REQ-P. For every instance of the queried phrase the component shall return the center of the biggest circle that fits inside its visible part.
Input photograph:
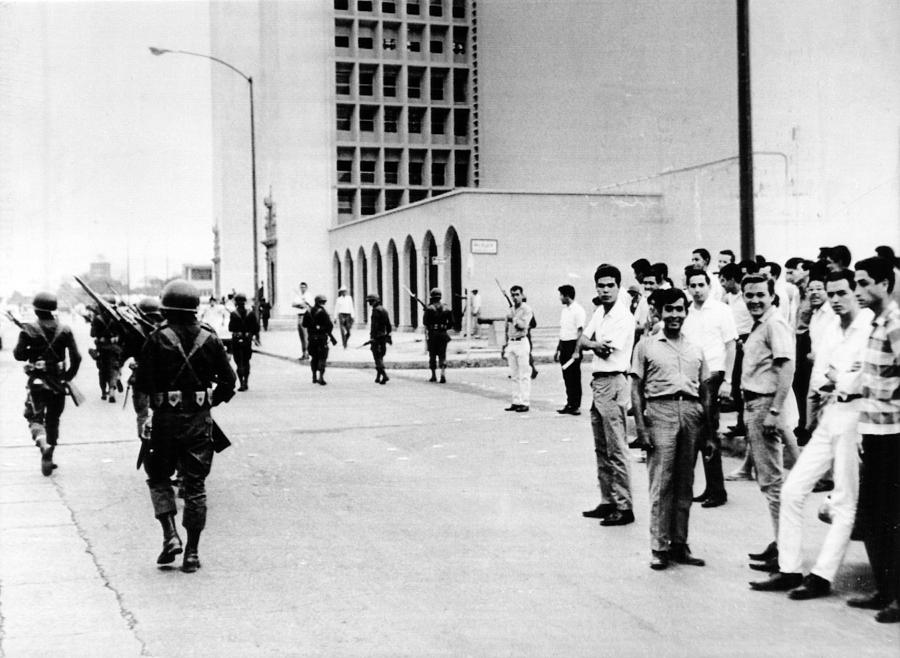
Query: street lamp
(249, 79)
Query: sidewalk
(407, 351)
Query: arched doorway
(347, 275)
(453, 274)
(335, 274)
(430, 268)
(362, 278)
(411, 281)
(393, 279)
(377, 271)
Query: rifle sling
(202, 337)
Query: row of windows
(394, 81)
(388, 169)
(436, 8)
(391, 120)
(414, 38)
(371, 201)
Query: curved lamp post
(249, 79)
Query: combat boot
(322, 379)
(443, 377)
(47, 464)
(191, 558)
(433, 378)
(171, 540)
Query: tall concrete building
(448, 143)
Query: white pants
(834, 442)
(517, 352)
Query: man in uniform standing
(517, 349)
(379, 336)
(302, 302)
(108, 353)
(343, 311)
(45, 345)
(184, 370)
(318, 328)
(571, 324)
(244, 328)
(437, 319)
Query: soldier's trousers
(141, 403)
(182, 440)
(242, 350)
(109, 364)
(42, 411)
(437, 349)
(318, 354)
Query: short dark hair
(843, 275)
(731, 272)
(751, 279)
(886, 252)
(729, 253)
(760, 260)
(605, 269)
(656, 276)
(774, 268)
(516, 287)
(818, 272)
(840, 254)
(662, 268)
(749, 266)
(880, 269)
(567, 290)
(303, 283)
(641, 265)
(695, 271)
(661, 298)
(792, 262)
(704, 254)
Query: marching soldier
(107, 352)
(244, 328)
(45, 346)
(379, 336)
(318, 327)
(184, 370)
(141, 401)
(437, 320)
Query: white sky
(106, 148)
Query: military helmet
(179, 295)
(436, 293)
(321, 299)
(240, 297)
(44, 301)
(149, 306)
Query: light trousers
(517, 352)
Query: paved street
(411, 519)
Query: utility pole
(745, 131)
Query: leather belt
(753, 395)
(680, 397)
(182, 400)
(849, 398)
(519, 338)
(608, 374)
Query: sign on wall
(484, 246)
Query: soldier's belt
(182, 400)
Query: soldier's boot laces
(171, 540)
(191, 558)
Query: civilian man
(517, 349)
(303, 303)
(343, 311)
(571, 324)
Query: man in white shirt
(835, 441)
(217, 317)
(610, 336)
(787, 293)
(571, 324)
(710, 325)
(344, 312)
(476, 311)
(700, 260)
(516, 350)
(822, 313)
(302, 302)
(730, 277)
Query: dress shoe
(823, 485)
(779, 582)
(812, 588)
(191, 563)
(659, 561)
(600, 512)
(522, 408)
(618, 517)
(384, 379)
(681, 553)
(432, 379)
(443, 380)
(714, 502)
(564, 410)
(513, 407)
(700, 498)
(111, 399)
(738, 476)
(534, 373)
(875, 602)
(889, 615)
(769, 565)
(322, 381)
(768, 553)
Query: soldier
(184, 369)
(108, 353)
(244, 328)
(318, 327)
(44, 344)
(379, 336)
(437, 320)
(149, 307)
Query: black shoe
(103, 395)
(779, 582)
(618, 517)
(315, 380)
(522, 408)
(191, 563)
(876, 601)
(432, 379)
(600, 512)
(384, 379)
(659, 561)
(700, 498)
(769, 565)
(534, 373)
(47, 464)
(682, 555)
(889, 615)
(812, 588)
(714, 502)
(823, 485)
(513, 407)
(111, 399)
(767, 554)
(171, 548)
(443, 380)
(322, 381)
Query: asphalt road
(411, 519)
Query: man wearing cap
(319, 327)
(46, 345)
(343, 311)
(379, 336)
(244, 328)
(108, 352)
(184, 370)
(437, 319)
(302, 302)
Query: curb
(477, 362)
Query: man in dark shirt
(184, 369)
(244, 328)
(379, 336)
(318, 327)
(108, 353)
(45, 345)
(437, 320)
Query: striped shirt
(881, 375)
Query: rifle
(134, 332)
(503, 292)
(413, 295)
(66, 388)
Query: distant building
(99, 271)
(201, 276)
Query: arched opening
(411, 281)
(376, 282)
(392, 276)
(453, 274)
(335, 275)
(347, 275)
(430, 267)
(362, 278)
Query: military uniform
(185, 371)
(108, 354)
(379, 336)
(46, 345)
(318, 327)
(437, 320)
(244, 327)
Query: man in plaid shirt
(879, 424)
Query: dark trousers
(737, 394)
(242, 350)
(437, 349)
(301, 331)
(318, 354)
(802, 373)
(712, 467)
(182, 440)
(878, 510)
(572, 374)
(379, 349)
(42, 411)
(109, 364)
